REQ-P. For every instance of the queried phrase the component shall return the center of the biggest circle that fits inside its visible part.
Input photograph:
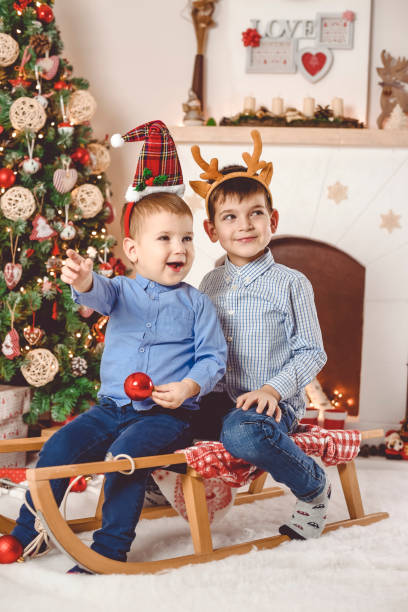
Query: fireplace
(338, 282)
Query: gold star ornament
(337, 192)
(390, 221)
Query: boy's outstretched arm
(87, 287)
(77, 271)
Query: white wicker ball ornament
(27, 114)
(88, 198)
(8, 50)
(81, 107)
(17, 203)
(41, 368)
(100, 158)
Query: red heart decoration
(33, 334)
(313, 62)
(12, 274)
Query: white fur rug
(360, 569)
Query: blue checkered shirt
(269, 320)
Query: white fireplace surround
(376, 178)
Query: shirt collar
(251, 271)
(146, 282)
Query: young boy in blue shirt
(274, 340)
(157, 325)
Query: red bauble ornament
(61, 85)
(138, 386)
(7, 178)
(44, 13)
(10, 549)
(81, 155)
(80, 484)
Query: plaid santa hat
(158, 167)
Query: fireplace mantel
(335, 137)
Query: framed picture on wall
(335, 31)
(273, 56)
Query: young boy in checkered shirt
(273, 336)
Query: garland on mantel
(323, 117)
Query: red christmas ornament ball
(80, 484)
(81, 155)
(44, 13)
(138, 386)
(7, 178)
(61, 85)
(85, 157)
(10, 549)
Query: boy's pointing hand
(77, 271)
(265, 398)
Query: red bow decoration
(251, 37)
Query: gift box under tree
(14, 403)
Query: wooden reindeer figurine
(394, 75)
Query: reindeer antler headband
(252, 162)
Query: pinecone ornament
(40, 43)
(78, 366)
(323, 112)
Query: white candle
(277, 106)
(249, 104)
(308, 107)
(337, 107)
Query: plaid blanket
(211, 460)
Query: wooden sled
(62, 532)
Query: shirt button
(151, 284)
(148, 324)
(229, 338)
(229, 369)
(141, 350)
(230, 312)
(234, 287)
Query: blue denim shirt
(168, 332)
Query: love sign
(275, 47)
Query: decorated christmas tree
(53, 196)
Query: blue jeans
(109, 428)
(261, 441)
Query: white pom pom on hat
(117, 141)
